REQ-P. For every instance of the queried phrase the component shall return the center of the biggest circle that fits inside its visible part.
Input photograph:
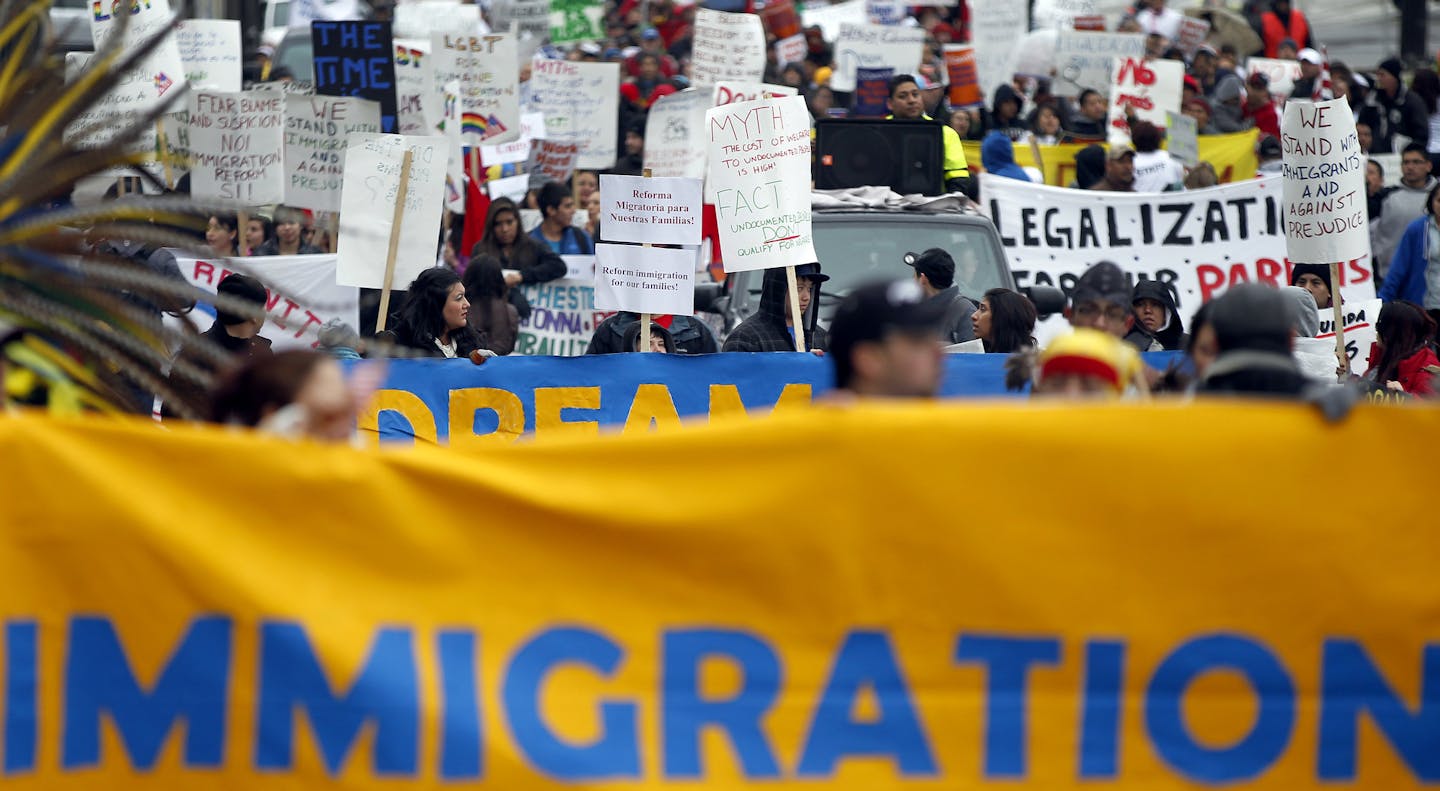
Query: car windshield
(854, 251)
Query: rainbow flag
(481, 126)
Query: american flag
(1323, 89)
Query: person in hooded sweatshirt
(1157, 327)
(771, 327)
(1227, 107)
(1089, 167)
(997, 154)
(688, 335)
(1005, 112)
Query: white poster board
(727, 47)
(1085, 59)
(307, 283)
(162, 71)
(875, 47)
(303, 12)
(759, 170)
(996, 27)
(829, 18)
(653, 210)
(317, 133)
(455, 162)
(367, 208)
(417, 19)
(210, 52)
(512, 187)
(645, 279)
(1281, 73)
(674, 145)
(1360, 333)
(1325, 216)
(1184, 139)
(488, 71)
(1150, 88)
(412, 85)
(791, 49)
(237, 143)
(581, 103)
(732, 92)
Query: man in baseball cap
(935, 272)
(885, 341)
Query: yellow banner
(1233, 156)
(875, 598)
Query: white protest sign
(759, 169)
(412, 85)
(417, 19)
(581, 103)
(511, 153)
(317, 132)
(367, 208)
(237, 143)
(1282, 74)
(1150, 88)
(791, 49)
(829, 18)
(875, 47)
(996, 27)
(1325, 215)
(673, 142)
(488, 71)
(551, 160)
(210, 52)
(1183, 134)
(884, 12)
(727, 47)
(1360, 333)
(653, 210)
(303, 12)
(645, 279)
(1087, 60)
(1061, 14)
(162, 71)
(579, 267)
(732, 92)
(512, 187)
(302, 293)
(108, 115)
(455, 163)
(530, 17)
(1193, 33)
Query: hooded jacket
(632, 335)
(1089, 166)
(688, 335)
(1408, 275)
(1171, 335)
(1015, 127)
(1227, 105)
(1307, 316)
(997, 154)
(766, 331)
(1397, 211)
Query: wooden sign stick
(394, 239)
(1341, 358)
(795, 317)
(644, 317)
(164, 152)
(334, 226)
(242, 221)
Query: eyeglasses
(1112, 312)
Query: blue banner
(510, 396)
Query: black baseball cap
(935, 264)
(874, 310)
(811, 271)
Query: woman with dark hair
(295, 393)
(1004, 322)
(434, 319)
(527, 260)
(258, 231)
(1404, 350)
(222, 236)
(493, 318)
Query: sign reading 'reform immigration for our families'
(759, 166)
(653, 210)
(645, 279)
(1325, 216)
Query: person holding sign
(557, 230)
(906, 104)
(772, 327)
(434, 320)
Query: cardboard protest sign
(872, 93)
(1193, 33)
(673, 142)
(1183, 134)
(1062, 14)
(732, 92)
(875, 47)
(455, 163)
(829, 18)
(645, 279)
(759, 170)
(1282, 74)
(581, 104)
(650, 211)
(367, 208)
(104, 118)
(210, 53)
(356, 59)
(1087, 60)
(317, 133)
(551, 160)
(530, 18)
(150, 83)
(488, 72)
(238, 146)
(962, 76)
(576, 20)
(412, 85)
(791, 49)
(1325, 215)
(417, 19)
(302, 294)
(996, 27)
(727, 47)
(1149, 88)
(1360, 317)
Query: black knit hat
(1321, 271)
(241, 287)
(1393, 66)
(1103, 282)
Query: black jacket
(766, 331)
(1388, 116)
(421, 344)
(956, 328)
(691, 335)
(1172, 335)
(272, 247)
(241, 350)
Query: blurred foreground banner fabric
(877, 597)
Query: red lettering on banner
(1360, 273)
(206, 270)
(1268, 270)
(310, 318)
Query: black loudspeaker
(906, 156)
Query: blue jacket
(1406, 278)
(997, 154)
